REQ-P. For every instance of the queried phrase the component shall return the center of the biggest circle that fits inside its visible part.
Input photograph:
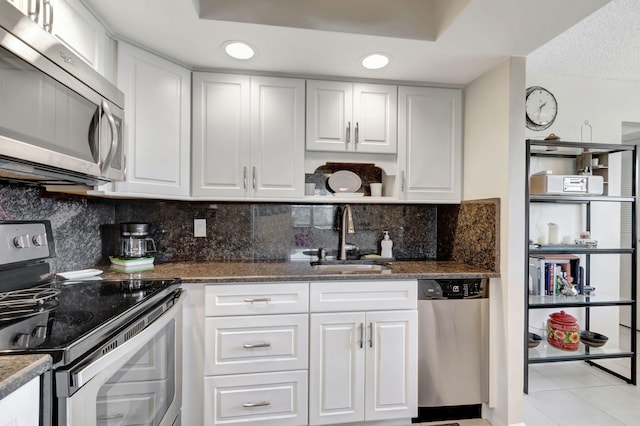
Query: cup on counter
(309, 189)
(376, 189)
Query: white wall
(494, 167)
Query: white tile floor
(574, 393)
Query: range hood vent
(17, 171)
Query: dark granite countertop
(218, 272)
(17, 370)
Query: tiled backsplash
(86, 230)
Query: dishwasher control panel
(452, 288)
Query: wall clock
(541, 108)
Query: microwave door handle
(81, 375)
(114, 138)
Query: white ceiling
(448, 42)
(604, 45)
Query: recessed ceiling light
(375, 61)
(239, 50)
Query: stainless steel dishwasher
(453, 348)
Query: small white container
(376, 189)
(309, 189)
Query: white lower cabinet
(256, 354)
(327, 352)
(21, 407)
(362, 365)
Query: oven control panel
(25, 241)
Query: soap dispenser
(386, 245)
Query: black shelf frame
(570, 150)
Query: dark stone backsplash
(86, 229)
(80, 240)
(273, 231)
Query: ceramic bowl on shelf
(534, 340)
(344, 181)
(593, 339)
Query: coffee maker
(135, 241)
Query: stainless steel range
(116, 344)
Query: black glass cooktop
(87, 313)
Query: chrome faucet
(346, 227)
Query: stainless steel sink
(350, 268)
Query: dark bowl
(534, 340)
(592, 339)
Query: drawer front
(335, 296)
(256, 299)
(235, 345)
(276, 399)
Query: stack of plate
(131, 265)
(345, 183)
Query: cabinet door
(336, 368)
(329, 116)
(157, 131)
(391, 365)
(73, 24)
(23, 6)
(221, 137)
(430, 144)
(375, 108)
(277, 137)
(21, 407)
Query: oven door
(138, 383)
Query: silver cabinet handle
(402, 181)
(357, 131)
(244, 178)
(349, 132)
(370, 334)
(111, 416)
(259, 299)
(34, 14)
(361, 341)
(114, 137)
(256, 345)
(254, 177)
(47, 15)
(256, 404)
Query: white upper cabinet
(430, 144)
(73, 25)
(157, 124)
(348, 117)
(248, 137)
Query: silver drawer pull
(111, 417)
(256, 404)
(256, 345)
(258, 299)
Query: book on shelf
(547, 273)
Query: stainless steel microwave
(61, 122)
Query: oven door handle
(72, 380)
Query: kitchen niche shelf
(584, 154)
